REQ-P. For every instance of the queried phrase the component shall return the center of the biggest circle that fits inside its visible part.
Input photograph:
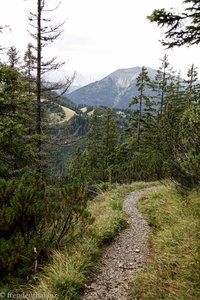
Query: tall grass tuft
(173, 271)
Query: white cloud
(100, 36)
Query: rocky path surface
(123, 257)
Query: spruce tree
(44, 33)
(29, 63)
(13, 57)
(188, 149)
(110, 140)
(192, 88)
(94, 150)
(16, 143)
(183, 27)
(101, 145)
(142, 99)
(163, 77)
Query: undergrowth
(173, 271)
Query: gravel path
(123, 257)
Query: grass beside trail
(173, 271)
(69, 270)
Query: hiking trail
(123, 257)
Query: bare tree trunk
(139, 121)
(38, 81)
(162, 96)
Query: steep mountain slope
(115, 90)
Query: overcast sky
(100, 36)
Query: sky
(100, 36)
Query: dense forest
(50, 170)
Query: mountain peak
(123, 77)
(114, 90)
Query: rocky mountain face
(114, 90)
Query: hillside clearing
(69, 113)
(83, 109)
(90, 113)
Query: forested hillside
(55, 157)
(161, 140)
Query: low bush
(35, 220)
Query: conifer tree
(163, 77)
(143, 82)
(110, 140)
(169, 128)
(94, 137)
(44, 34)
(13, 57)
(192, 89)
(183, 27)
(187, 156)
(16, 148)
(29, 63)
(101, 145)
(27, 70)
